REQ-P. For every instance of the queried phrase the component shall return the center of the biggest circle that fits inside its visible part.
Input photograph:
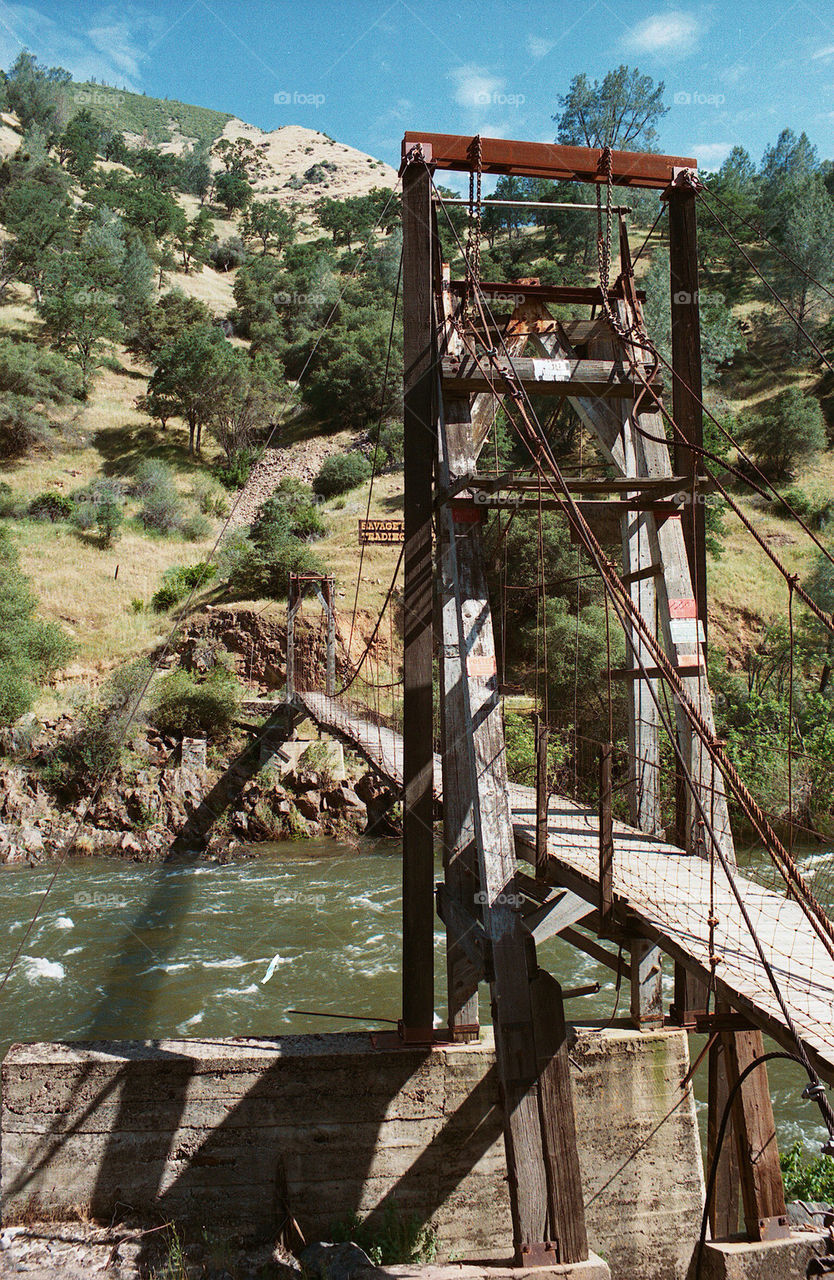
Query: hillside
(156, 120)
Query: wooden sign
(380, 531)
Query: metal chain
(473, 243)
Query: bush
(51, 506)
(99, 505)
(210, 500)
(787, 430)
(228, 254)
(150, 475)
(815, 509)
(812, 1181)
(30, 650)
(389, 440)
(179, 581)
(10, 505)
(342, 472)
(95, 750)
(195, 528)
(187, 704)
(234, 473)
(293, 507)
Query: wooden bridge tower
(448, 405)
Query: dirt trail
(301, 461)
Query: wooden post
(762, 1190)
(606, 840)
(542, 797)
(564, 1178)
(292, 609)
(522, 1040)
(418, 747)
(330, 602)
(723, 1209)
(686, 387)
(646, 982)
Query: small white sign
(551, 370)
(687, 631)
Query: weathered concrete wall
(318, 1127)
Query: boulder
(323, 1261)
(309, 805)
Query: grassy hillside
(157, 118)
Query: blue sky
(364, 71)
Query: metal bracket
(539, 1253)
(777, 1228)
(416, 152)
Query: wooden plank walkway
(664, 890)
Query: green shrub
(813, 1180)
(234, 473)
(815, 509)
(389, 440)
(210, 500)
(162, 510)
(188, 704)
(228, 254)
(179, 581)
(30, 649)
(95, 750)
(398, 1238)
(520, 737)
(293, 507)
(342, 472)
(195, 527)
(99, 505)
(10, 505)
(51, 506)
(149, 475)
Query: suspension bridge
(747, 959)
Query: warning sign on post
(381, 531)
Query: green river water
(136, 951)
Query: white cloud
(710, 155)
(673, 32)
(538, 47)
(475, 86)
(111, 49)
(827, 51)
(117, 43)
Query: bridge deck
(665, 890)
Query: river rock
(323, 1261)
(30, 839)
(309, 805)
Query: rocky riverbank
(164, 802)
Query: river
(136, 951)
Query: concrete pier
(250, 1133)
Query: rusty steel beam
(515, 292)
(548, 160)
